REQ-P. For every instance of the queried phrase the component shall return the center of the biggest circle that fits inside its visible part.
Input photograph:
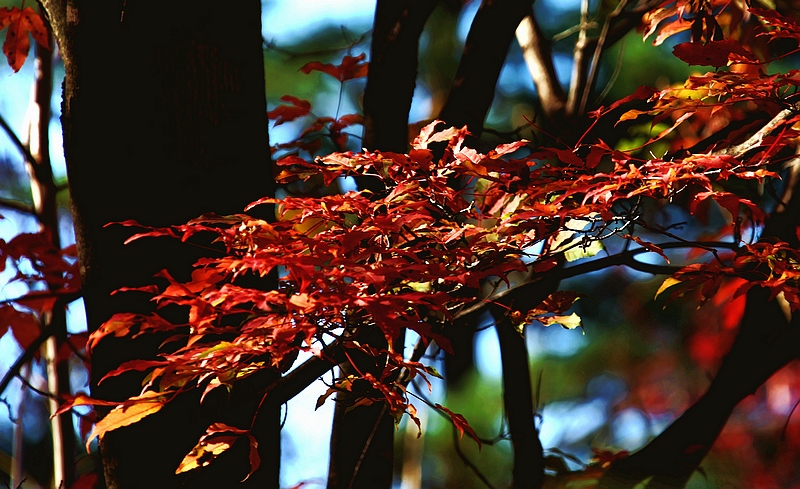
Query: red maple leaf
(714, 53)
(351, 67)
(20, 23)
(286, 113)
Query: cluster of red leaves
(47, 273)
(774, 266)
(311, 138)
(20, 22)
(699, 16)
(414, 255)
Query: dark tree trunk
(164, 119)
(485, 51)
(528, 469)
(393, 72)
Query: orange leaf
(134, 410)
(218, 438)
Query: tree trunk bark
(164, 118)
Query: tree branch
(536, 51)
(625, 258)
(22, 147)
(765, 343)
(485, 50)
(580, 63)
(27, 355)
(598, 51)
(392, 72)
(756, 139)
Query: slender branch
(22, 147)
(623, 24)
(488, 40)
(536, 51)
(17, 206)
(756, 139)
(27, 355)
(469, 463)
(316, 53)
(625, 258)
(27, 384)
(580, 63)
(598, 51)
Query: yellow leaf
(569, 322)
(669, 282)
(124, 415)
(204, 452)
(631, 114)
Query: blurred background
(635, 368)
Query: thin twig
(580, 63)
(26, 356)
(22, 147)
(469, 462)
(613, 79)
(756, 139)
(598, 51)
(17, 206)
(43, 393)
(366, 446)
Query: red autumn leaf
(286, 113)
(24, 326)
(17, 43)
(38, 302)
(648, 246)
(461, 424)
(82, 400)
(730, 202)
(714, 53)
(350, 67)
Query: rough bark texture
(164, 119)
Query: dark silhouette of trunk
(393, 72)
(528, 469)
(164, 119)
(488, 41)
